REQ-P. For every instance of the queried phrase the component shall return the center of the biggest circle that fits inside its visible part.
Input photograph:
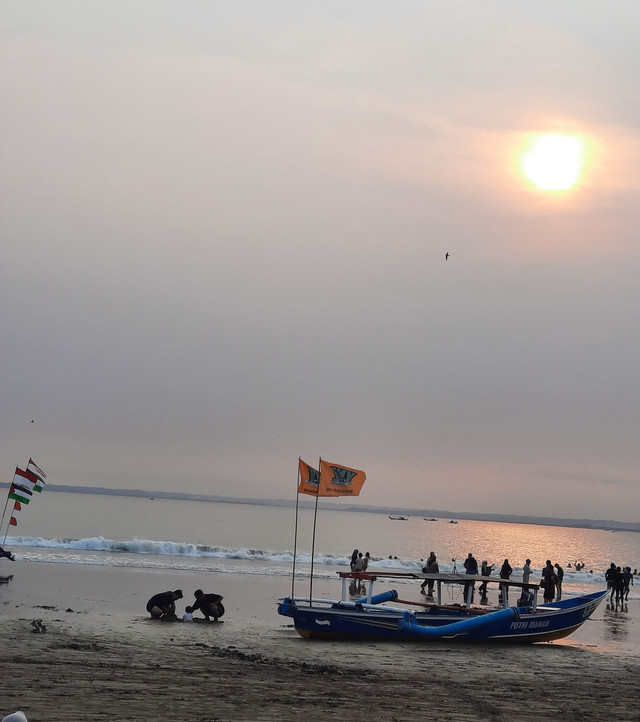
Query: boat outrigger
(381, 616)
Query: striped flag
(22, 486)
(25, 479)
(34, 469)
(19, 493)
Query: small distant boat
(381, 616)
(399, 518)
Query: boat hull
(514, 625)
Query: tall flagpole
(313, 539)
(295, 537)
(2, 522)
(4, 511)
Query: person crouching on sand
(163, 605)
(209, 604)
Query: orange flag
(339, 480)
(309, 479)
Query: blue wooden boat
(386, 616)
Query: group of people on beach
(618, 581)
(162, 606)
(551, 581)
(358, 562)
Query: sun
(554, 161)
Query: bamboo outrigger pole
(295, 536)
(313, 538)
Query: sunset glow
(553, 161)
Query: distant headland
(603, 524)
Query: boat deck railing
(469, 580)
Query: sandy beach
(101, 658)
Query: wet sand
(101, 658)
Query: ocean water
(146, 533)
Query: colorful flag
(339, 480)
(38, 473)
(309, 479)
(19, 493)
(14, 514)
(25, 479)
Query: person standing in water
(549, 581)
(627, 576)
(560, 575)
(485, 571)
(505, 573)
(354, 559)
(471, 567)
(425, 570)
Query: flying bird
(446, 256)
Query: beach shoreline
(102, 658)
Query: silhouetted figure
(354, 559)
(163, 605)
(471, 567)
(485, 571)
(618, 585)
(505, 573)
(549, 581)
(608, 576)
(627, 577)
(560, 576)
(425, 570)
(209, 604)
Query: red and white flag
(34, 469)
(14, 514)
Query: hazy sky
(223, 238)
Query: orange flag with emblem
(337, 480)
(309, 479)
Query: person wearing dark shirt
(209, 604)
(618, 585)
(560, 576)
(485, 571)
(505, 573)
(425, 569)
(470, 564)
(608, 577)
(163, 605)
(471, 567)
(549, 582)
(627, 576)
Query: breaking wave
(109, 552)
